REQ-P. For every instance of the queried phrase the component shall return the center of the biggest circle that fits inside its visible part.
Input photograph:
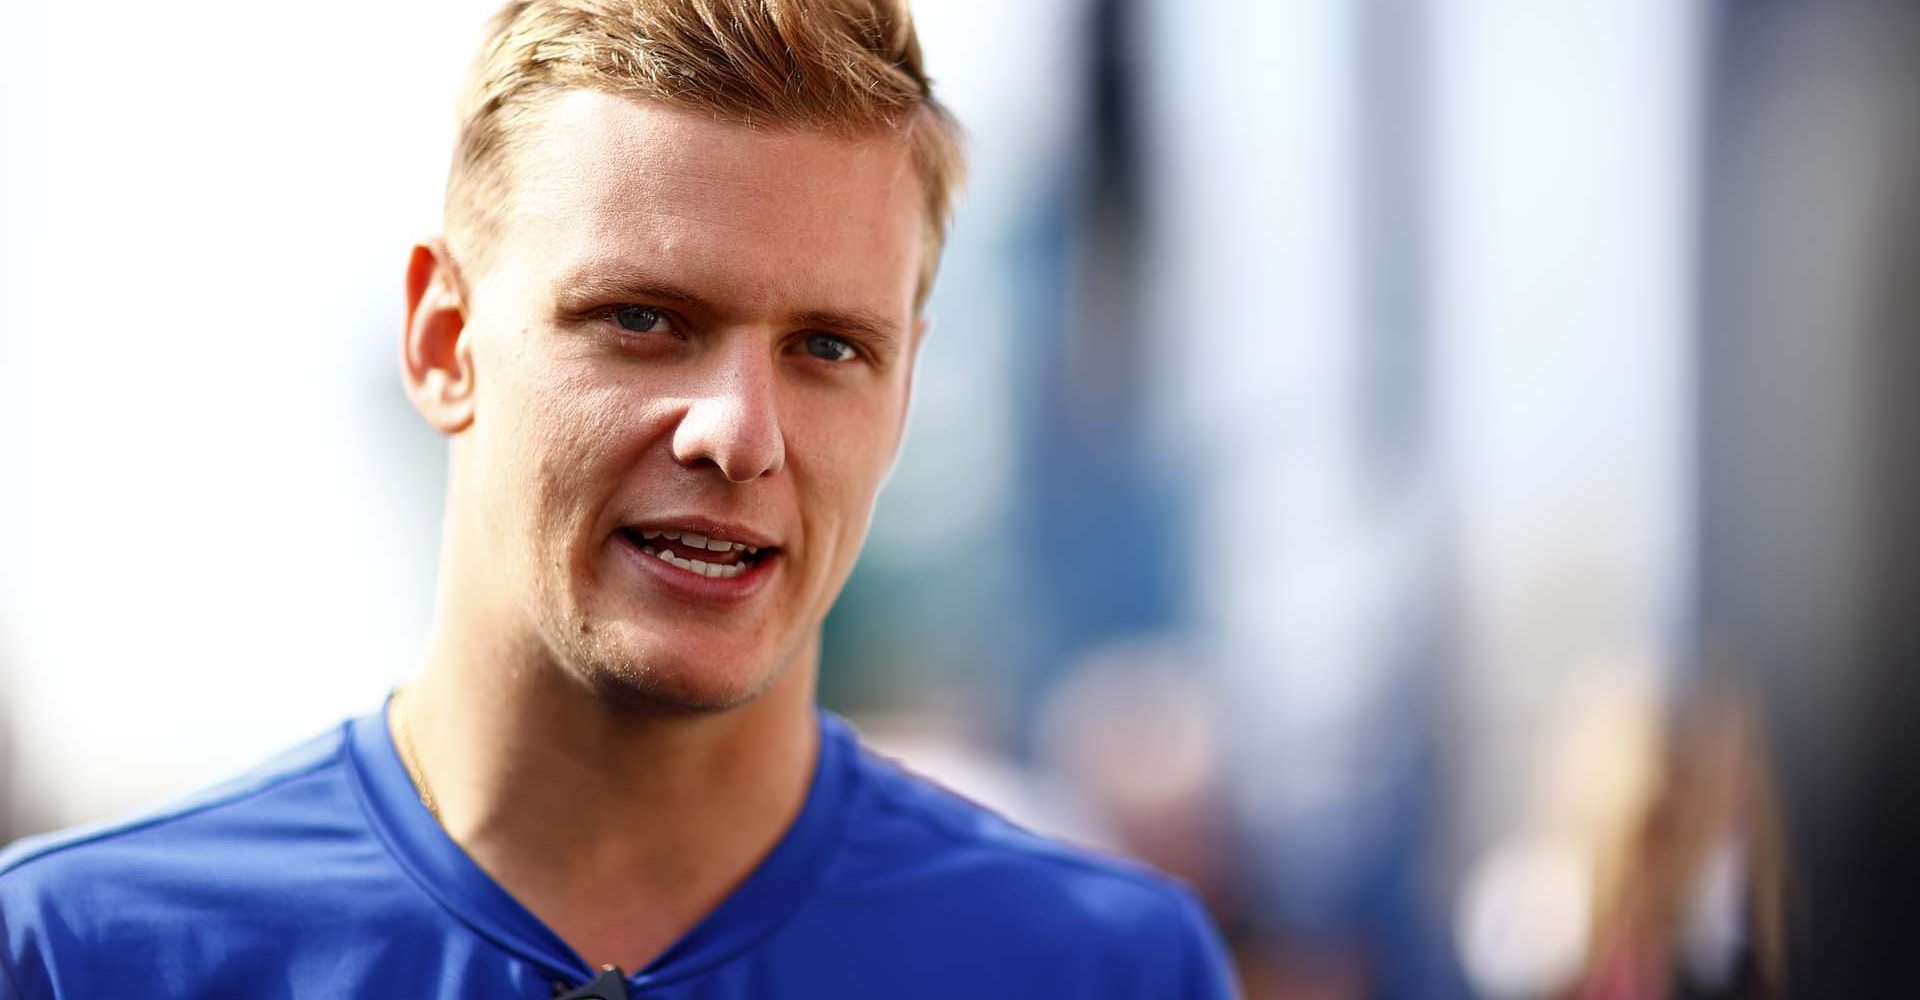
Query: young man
(670, 336)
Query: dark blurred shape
(1088, 478)
(1810, 488)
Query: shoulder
(207, 814)
(989, 883)
(135, 876)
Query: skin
(771, 276)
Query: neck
(618, 825)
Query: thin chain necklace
(410, 759)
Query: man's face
(688, 328)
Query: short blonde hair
(846, 67)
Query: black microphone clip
(611, 985)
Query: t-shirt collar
(761, 904)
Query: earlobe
(436, 355)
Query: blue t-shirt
(321, 875)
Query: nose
(733, 420)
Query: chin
(643, 675)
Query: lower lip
(687, 584)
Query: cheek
(569, 441)
(844, 452)
(587, 441)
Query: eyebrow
(860, 322)
(587, 286)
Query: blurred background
(1433, 474)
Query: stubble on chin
(651, 682)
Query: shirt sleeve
(1207, 968)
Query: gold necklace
(410, 760)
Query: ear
(436, 356)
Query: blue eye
(828, 347)
(641, 319)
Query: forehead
(759, 218)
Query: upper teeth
(694, 540)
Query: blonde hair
(845, 67)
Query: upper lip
(708, 527)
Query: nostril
(738, 433)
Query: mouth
(711, 555)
